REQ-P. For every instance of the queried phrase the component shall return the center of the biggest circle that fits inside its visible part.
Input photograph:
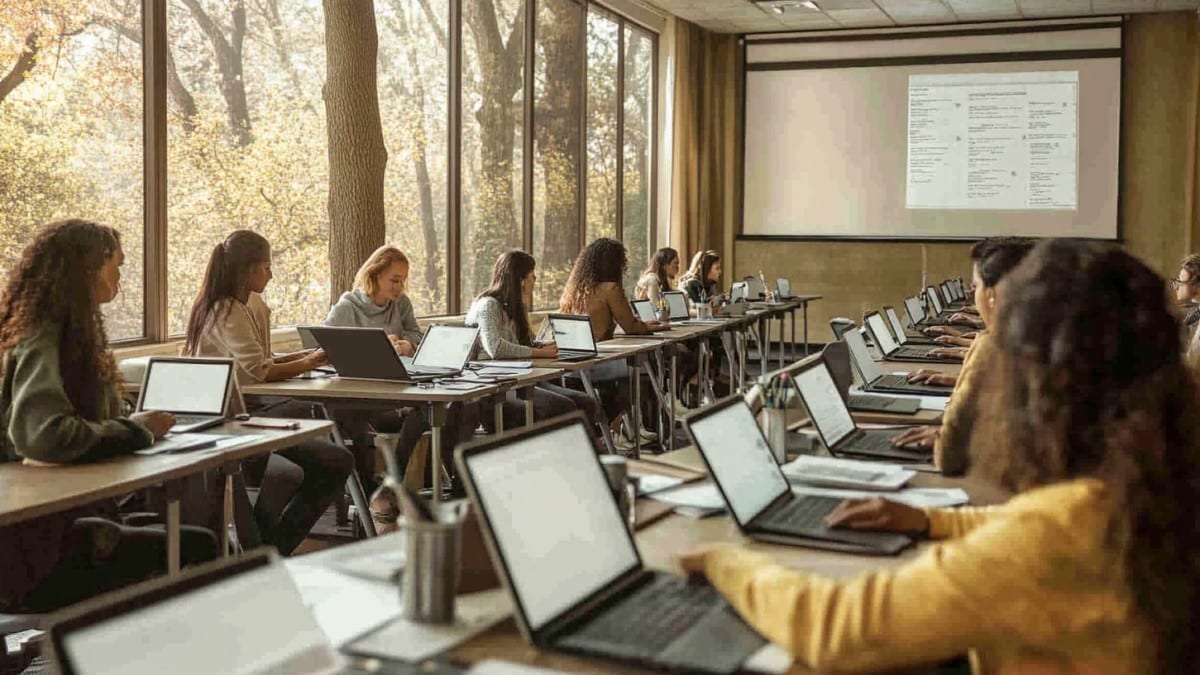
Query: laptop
(784, 286)
(444, 350)
(307, 339)
(368, 354)
(915, 312)
(881, 335)
(835, 426)
(873, 377)
(757, 492)
(754, 288)
(677, 305)
(939, 311)
(568, 561)
(837, 358)
(196, 390)
(236, 616)
(644, 310)
(737, 292)
(903, 336)
(573, 335)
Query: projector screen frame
(925, 32)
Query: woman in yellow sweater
(1094, 566)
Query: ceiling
(744, 16)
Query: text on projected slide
(993, 141)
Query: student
(992, 260)
(61, 404)
(702, 280)
(1094, 566)
(230, 319)
(501, 314)
(657, 277)
(595, 288)
(1186, 285)
(378, 300)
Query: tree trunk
(557, 132)
(16, 75)
(228, 53)
(357, 156)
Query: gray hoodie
(357, 309)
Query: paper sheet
(916, 497)
(344, 606)
(507, 365)
(652, 482)
(693, 500)
(771, 659)
(937, 403)
(410, 641)
(495, 667)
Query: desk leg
(635, 418)
(792, 351)
(498, 413)
(352, 484)
(437, 420)
(586, 377)
(228, 525)
(672, 387)
(526, 395)
(172, 492)
(763, 356)
(806, 329)
(782, 327)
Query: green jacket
(40, 423)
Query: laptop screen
(677, 304)
(894, 319)
(307, 339)
(573, 332)
(784, 287)
(737, 292)
(555, 522)
(253, 622)
(186, 387)
(740, 459)
(446, 347)
(645, 310)
(933, 298)
(867, 368)
(915, 312)
(825, 406)
(880, 333)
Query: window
(602, 115)
(638, 145)
(71, 132)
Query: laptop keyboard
(911, 353)
(801, 513)
(185, 420)
(867, 401)
(647, 621)
(871, 443)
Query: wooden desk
(30, 491)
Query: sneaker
(681, 410)
(623, 445)
(647, 436)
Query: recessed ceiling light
(811, 5)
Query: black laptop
(891, 351)
(573, 335)
(837, 429)
(873, 377)
(757, 492)
(368, 354)
(568, 560)
(903, 335)
(917, 316)
(837, 358)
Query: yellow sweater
(950, 449)
(1031, 583)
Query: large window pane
(247, 147)
(637, 144)
(492, 92)
(413, 90)
(602, 108)
(558, 105)
(71, 132)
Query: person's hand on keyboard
(158, 422)
(932, 378)
(921, 438)
(948, 353)
(953, 341)
(694, 562)
(940, 330)
(878, 514)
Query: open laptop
(837, 358)
(236, 616)
(940, 312)
(784, 286)
(881, 335)
(903, 336)
(875, 380)
(444, 350)
(368, 354)
(837, 428)
(754, 288)
(644, 310)
(568, 560)
(573, 335)
(915, 312)
(677, 306)
(758, 494)
(737, 292)
(196, 390)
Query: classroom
(517, 337)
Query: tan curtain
(705, 183)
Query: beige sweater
(241, 332)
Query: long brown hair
(228, 265)
(53, 284)
(510, 270)
(602, 260)
(702, 264)
(658, 263)
(1101, 391)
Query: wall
(1157, 191)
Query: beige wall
(1156, 202)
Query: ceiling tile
(858, 18)
(1119, 6)
(1044, 8)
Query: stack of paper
(916, 497)
(846, 473)
(693, 501)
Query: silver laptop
(644, 310)
(874, 379)
(836, 427)
(677, 305)
(444, 350)
(931, 296)
(754, 287)
(237, 616)
(196, 390)
(737, 292)
(758, 494)
(573, 335)
(568, 560)
(902, 335)
(368, 354)
(882, 336)
(784, 286)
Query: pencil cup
(703, 310)
(430, 579)
(774, 424)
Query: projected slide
(993, 141)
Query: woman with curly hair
(61, 404)
(595, 289)
(1094, 565)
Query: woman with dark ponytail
(230, 319)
